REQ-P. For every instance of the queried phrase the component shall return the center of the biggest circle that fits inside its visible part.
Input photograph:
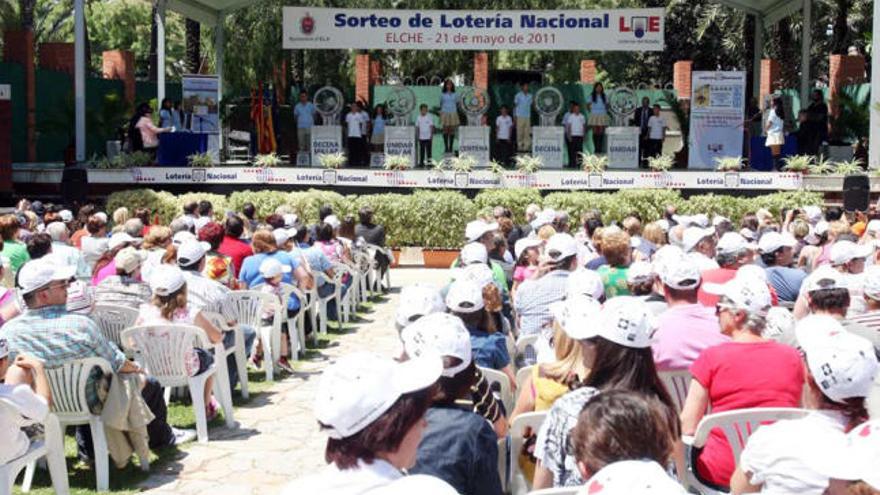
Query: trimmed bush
(515, 199)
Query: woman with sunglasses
(750, 371)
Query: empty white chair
(238, 349)
(343, 301)
(737, 426)
(113, 319)
(51, 447)
(164, 349)
(495, 376)
(246, 307)
(68, 384)
(677, 383)
(517, 483)
(521, 377)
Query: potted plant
(496, 168)
(594, 164)
(851, 167)
(397, 162)
(528, 164)
(267, 160)
(802, 164)
(729, 164)
(332, 160)
(463, 163)
(661, 163)
(200, 160)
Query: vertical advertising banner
(201, 98)
(717, 115)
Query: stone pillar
(18, 47)
(588, 71)
(57, 56)
(843, 70)
(770, 74)
(362, 77)
(119, 64)
(681, 78)
(481, 70)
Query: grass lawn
(81, 477)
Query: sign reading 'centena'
(331, 28)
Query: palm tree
(193, 46)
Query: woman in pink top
(148, 131)
(750, 371)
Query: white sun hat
(577, 316)
(476, 229)
(359, 388)
(745, 292)
(191, 252)
(583, 282)
(846, 251)
(693, 235)
(39, 273)
(683, 274)
(166, 279)
(639, 271)
(439, 334)
(561, 246)
(771, 241)
(416, 301)
(464, 296)
(475, 252)
(632, 477)
(271, 268)
(524, 244)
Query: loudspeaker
(74, 185)
(856, 192)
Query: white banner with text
(717, 115)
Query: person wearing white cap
(373, 409)
(841, 367)
(617, 351)
(749, 371)
(105, 266)
(852, 466)
(535, 296)
(204, 293)
(416, 301)
(264, 246)
(699, 243)
(125, 287)
(527, 252)
(687, 328)
(732, 252)
(616, 458)
(480, 231)
(16, 379)
(777, 254)
(642, 280)
(458, 446)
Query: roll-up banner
(601, 30)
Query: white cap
(749, 234)
(281, 236)
(166, 279)
(746, 292)
(632, 477)
(289, 219)
(271, 268)
(771, 241)
(119, 239)
(191, 252)
(183, 236)
(4, 348)
(864, 441)
(824, 277)
(666, 257)
(583, 282)
(732, 243)
(359, 388)
(693, 235)
(545, 217)
(814, 214)
(753, 271)
(663, 224)
(102, 217)
(464, 296)
(873, 227)
(871, 282)
(128, 259)
(700, 220)
(416, 301)
(332, 220)
(475, 252)
(476, 229)
(524, 244)
(80, 298)
(562, 244)
(846, 251)
(479, 273)
(780, 321)
(842, 364)
(66, 215)
(684, 274)
(577, 316)
(685, 220)
(821, 227)
(626, 321)
(718, 220)
(639, 271)
(39, 273)
(418, 483)
(439, 334)
(200, 222)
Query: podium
(548, 143)
(623, 147)
(401, 140)
(474, 141)
(326, 140)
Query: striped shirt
(871, 320)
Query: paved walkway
(278, 439)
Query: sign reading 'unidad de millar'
(608, 30)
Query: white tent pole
(79, 77)
(806, 42)
(219, 50)
(160, 51)
(874, 143)
(757, 56)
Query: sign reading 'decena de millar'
(608, 30)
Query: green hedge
(432, 218)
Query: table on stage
(176, 147)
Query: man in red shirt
(733, 251)
(232, 245)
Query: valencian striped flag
(261, 115)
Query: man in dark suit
(640, 120)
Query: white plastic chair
(565, 490)
(319, 310)
(677, 383)
(495, 376)
(164, 349)
(68, 385)
(298, 321)
(246, 307)
(364, 266)
(737, 426)
(523, 343)
(238, 348)
(113, 319)
(344, 302)
(502, 463)
(51, 447)
(377, 278)
(517, 483)
(522, 375)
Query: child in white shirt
(503, 134)
(272, 272)
(656, 132)
(425, 126)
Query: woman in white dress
(774, 129)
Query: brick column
(681, 78)
(481, 70)
(362, 77)
(842, 71)
(57, 56)
(588, 71)
(375, 71)
(119, 64)
(18, 47)
(770, 74)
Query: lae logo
(307, 24)
(640, 25)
